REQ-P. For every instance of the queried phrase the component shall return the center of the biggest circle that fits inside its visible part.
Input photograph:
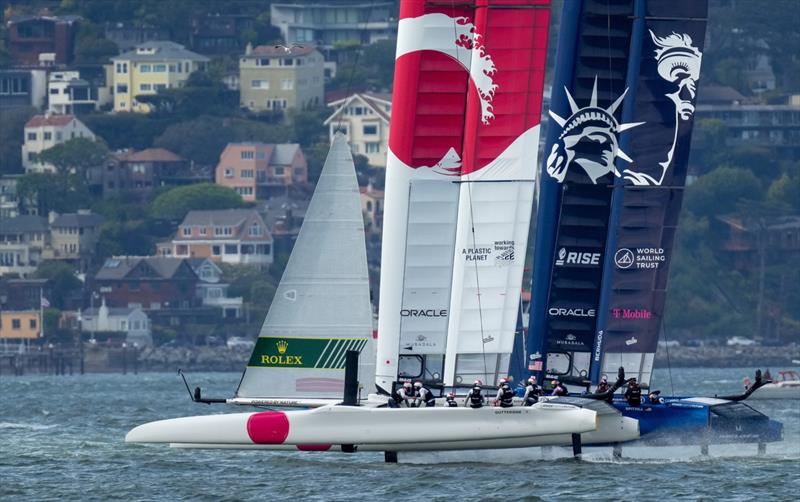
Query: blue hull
(678, 422)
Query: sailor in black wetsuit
(505, 396)
(475, 397)
(602, 387)
(451, 400)
(532, 393)
(407, 395)
(634, 393)
(425, 395)
(559, 389)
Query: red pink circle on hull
(269, 427)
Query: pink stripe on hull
(269, 427)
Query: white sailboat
(322, 310)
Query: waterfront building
(149, 68)
(20, 324)
(363, 118)
(133, 323)
(277, 78)
(212, 291)
(332, 24)
(236, 236)
(46, 131)
(258, 170)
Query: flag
(45, 303)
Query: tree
(12, 134)
(718, 192)
(127, 130)
(59, 192)
(91, 45)
(61, 277)
(131, 238)
(75, 156)
(174, 204)
(786, 189)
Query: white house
(131, 321)
(364, 119)
(213, 292)
(46, 131)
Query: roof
(218, 217)
(49, 120)
(284, 153)
(118, 267)
(112, 311)
(150, 155)
(164, 49)
(78, 220)
(279, 51)
(21, 18)
(713, 93)
(374, 101)
(22, 224)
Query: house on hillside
(31, 37)
(364, 120)
(46, 131)
(132, 322)
(219, 33)
(212, 291)
(74, 236)
(259, 170)
(23, 87)
(23, 240)
(72, 92)
(147, 282)
(372, 208)
(237, 236)
(277, 78)
(149, 68)
(128, 35)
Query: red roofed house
(237, 236)
(46, 131)
(257, 170)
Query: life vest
(427, 396)
(634, 395)
(475, 397)
(451, 402)
(532, 392)
(507, 397)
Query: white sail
(322, 305)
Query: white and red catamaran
(459, 191)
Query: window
(262, 62)
(48, 136)
(32, 323)
(248, 249)
(187, 231)
(122, 89)
(145, 87)
(231, 249)
(287, 61)
(31, 136)
(159, 87)
(255, 229)
(372, 147)
(19, 86)
(172, 68)
(203, 231)
(182, 250)
(215, 250)
(31, 156)
(145, 68)
(58, 135)
(263, 249)
(122, 67)
(16, 324)
(259, 84)
(159, 68)
(287, 84)
(134, 286)
(248, 155)
(229, 172)
(370, 130)
(248, 173)
(279, 171)
(53, 90)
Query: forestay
(322, 305)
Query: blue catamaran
(612, 182)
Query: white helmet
(406, 384)
(418, 384)
(503, 380)
(532, 379)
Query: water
(61, 438)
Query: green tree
(719, 191)
(132, 237)
(76, 155)
(62, 280)
(786, 189)
(59, 192)
(174, 204)
(730, 71)
(91, 45)
(12, 135)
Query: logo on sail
(321, 353)
(570, 258)
(589, 139)
(639, 258)
(282, 345)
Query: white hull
(610, 429)
(780, 390)
(383, 428)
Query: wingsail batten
(293, 345)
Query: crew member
(407, 395)
(634, 393)
(425, 395)
(653, 397)
(475, 397)
(532, 392)
(559, 389)
(505, 396)
(451, 400)
(602, 387)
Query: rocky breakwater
(734, 356)
(193, 358)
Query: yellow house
(19, 324)
(149, 68)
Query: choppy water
(61, 438)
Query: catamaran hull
(370, 426)
(609, 430)
(781, 390)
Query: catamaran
(612, 183)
